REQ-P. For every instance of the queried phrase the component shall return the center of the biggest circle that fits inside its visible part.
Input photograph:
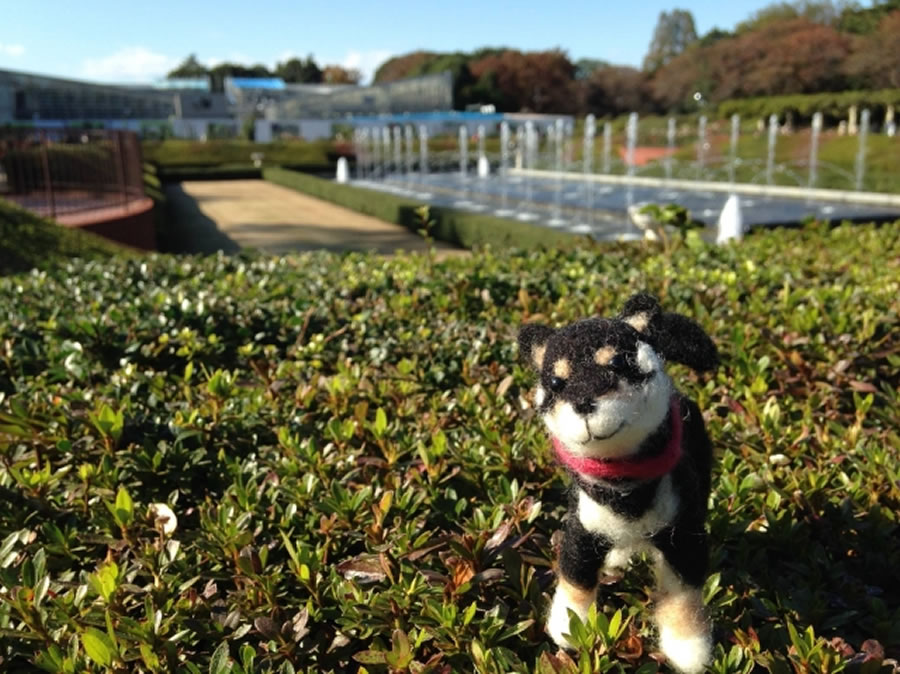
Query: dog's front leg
(581, 556)
(684, 631)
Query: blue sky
(127, 41)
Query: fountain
(631, 133)
(398, 151)
(607, 148)
(483, 167)
(701, 146)
(557, 137)
(408, 154)
(530, 161)
(770, 154)
(386, 154)
(733, 155)
(731, 224)
(814, 133)
(463, 152)
(504, 211)
(587, 166)
(860, 168)
(423, 151)
(670, 143)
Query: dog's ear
(673, 336)
(533, 344)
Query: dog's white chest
(626, 531)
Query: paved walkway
(233, 214)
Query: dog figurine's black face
(603, 387)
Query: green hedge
(469, 230)
(834, 105)
(188, 153)
(28, 241)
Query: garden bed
(360, 483)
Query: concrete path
(232, 214)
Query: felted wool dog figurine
(639, 458)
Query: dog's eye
(556, 384)
(618, 362)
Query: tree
(675, 32)
(875, 61)
(616, 90)
(299, 71)
(824, 12)
(339, 75)
(584, 68)
(188, 69)
(532, 81)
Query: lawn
(360, 483)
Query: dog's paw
(684, 633)
(567, 598)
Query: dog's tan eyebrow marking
(638, 321)
(604, 355)
(537, 354)
(561, 368)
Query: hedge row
(28, 241)
(833, 105)
(468, 230)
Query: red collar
(633, 469)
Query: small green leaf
(124, 507)
(219, 664)
(97, 646)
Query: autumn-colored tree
(616, 90)
(875, 61)
(335, 74)
(532, 81)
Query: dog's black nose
(584, 406)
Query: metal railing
(57, 172)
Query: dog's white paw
(684, 633)
(567, 598)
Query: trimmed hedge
(469, 230)
(833, 105)
(188, 153)
(28, 241)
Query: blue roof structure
(256, 82)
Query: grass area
(468, 230)
(28, 241)
(360, 484)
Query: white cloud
(130, 64)
(366, 62)
(14, 50)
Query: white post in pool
(770, 154)
(861, 152)
(607, 147)
(733, 158)
(484, 168)
(423, 151)
(671, 131)
(814, 132)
